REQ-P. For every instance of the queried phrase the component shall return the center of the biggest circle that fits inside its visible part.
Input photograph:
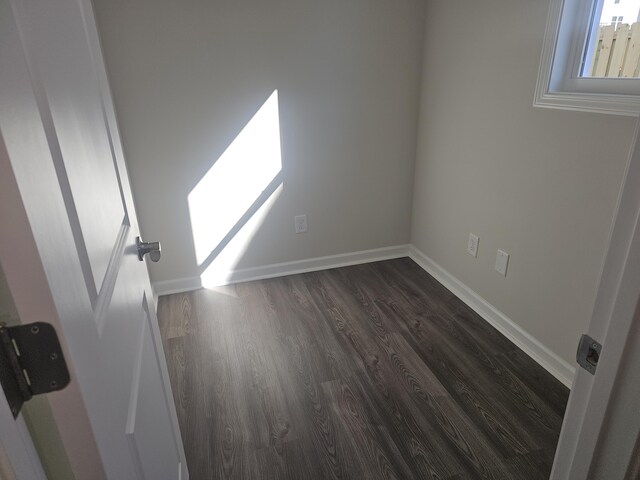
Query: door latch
(152, 248)
(31, 363)
(588, 354)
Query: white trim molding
(584, 430)
(178, 285)
(626, 105)
(282, 269)
(526, 342)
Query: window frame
(559, 83)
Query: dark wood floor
(365, 372)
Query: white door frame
(611, 321)
(19, 459)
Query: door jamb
(611, 320)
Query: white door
(60, 137)
(601, 429)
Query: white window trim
(559, 85)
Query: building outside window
(619, 9)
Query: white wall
(187, 76)
(539, 184)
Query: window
(589, 62)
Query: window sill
(628, 105)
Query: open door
(601, 429)
(75, 223)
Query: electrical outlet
(300, 223)
(502, 261)
(472, 245)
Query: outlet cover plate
(502, 262)
(472, 245)
(300, 223)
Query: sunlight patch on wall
(243, 181)
(222, 268)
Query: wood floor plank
(378, 460)
(468, 377)
(515, 391)
(534, 465)
(537, 379)
(178, 320)
(481, 401)
(419, 443)
(295, 460)
(374, 371)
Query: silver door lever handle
(152, 248)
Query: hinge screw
(53, 356)
(35, 329)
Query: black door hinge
(31, 363)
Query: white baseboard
(179, 285)
(282, 269)
(526, 342)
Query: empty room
(340, 239)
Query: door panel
(148, 410)
(60, 57)
(135, 427)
